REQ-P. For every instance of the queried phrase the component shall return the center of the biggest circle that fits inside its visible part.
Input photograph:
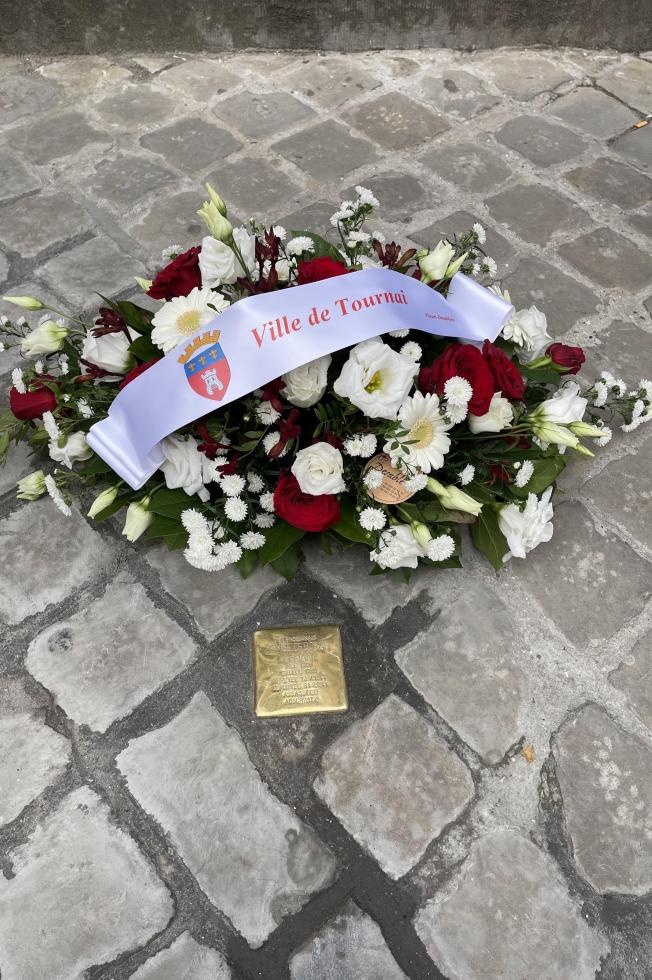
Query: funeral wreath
(393, 442)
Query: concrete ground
(484, 808)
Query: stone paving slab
(482, 809)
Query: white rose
(46, 338)
(528, 329)
(397, 548)
(376, 379)
(564, 407)
(434, 264)
(318, 469)
(305, 385)
(185, 466)
(75, 448)
(110, 352)
(218, 263)
(498, 417)
(527, 528)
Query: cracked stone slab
(35, 542)
(252, 856)
(185, 959)
(35, 223)
(458, 92)
(349, 945)
(594, 582)
(473, 647)
(543, 143)
(31, 755)
(394, 802)
(77, 864)
(633, 676)
(107, 658)
(631, 82)
(196, 590)
(524, 75)
(594, 112)
(604, 776)
(508, 916)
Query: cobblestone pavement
(484, 808)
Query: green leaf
(144, 349)
(488, 538)
(546, 472)
(322, 247)
(540, 375)
(247, 563)
(95, 465)
(164, 527)
(287, 563)
(170, 503)
(135, 316)
(279, 539)
(348, 525)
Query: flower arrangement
(394, 443)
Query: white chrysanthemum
(378, 236)
(398, 334)
(230, 552)
(267, 501)
(194, 522)
(619, 387)
(638, 409)
(299, 245)
(365, 196)
(441, 548)
(416, 482)
(232, 484)
(50, 426)
(480, 232)
(605, 438)
(476, 269)
(264, 520)
(357, 238)
(601, 393)
(270, 440)
(84, 409)
(645, 387)
(361, 445)
(171, 251)
(372, 479)
(280, 232)
(56, 496)
(458, 391)
(372, 519)
(426, 441)
(489, 266)
(180, 318)
(466, 475)
(17, 381)
(412, 350)
(63, 364)
(235, 509)
(252, 540)
(345, 210)
(456, 413)
(255, 483)
(267, 413)
(38, 367)
(524, 473)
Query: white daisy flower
(270, 440)
(605, 438)
(372, 519)
(255, 483)
(411, 350)
(180, 318)
(357, 238)
(361, 445)
(235, 509)
(480, 232)
(416, 482)
(50, 426)
(266, 413)
(490, 266)
(366, 197)
(601, 390)
(458, 391)
(170, 252)
(466, 475)
(232, 484)
(280, 232)
(17, 381)
(398, 334)
(524, 473)
(441, 548)
(264, 520)
(299, 245)
(426, 441)
(372, 479)
(266, 501)
(252, 540)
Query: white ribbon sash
(264, 336)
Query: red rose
(303, 510)
(571, 358)
(179, 277)
(506, 375)
(316, 269)
(32, 404)
(465, 361)
(135, 372)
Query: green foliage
(322, 247)
(170, 530)
(135, 316)
(288, 563)
(488, 538)
(348, 526)
(279, 539)
(170, 503)
(144, 349)
(546, 472)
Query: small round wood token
(392, 489)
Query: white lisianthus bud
(145, 284)
(102, 501)
(455, 266)
(216, 199)
(138, 519)
(218, 226)
(586, 431)
(421, 534)
(45, 339)
(550, 432)
(318, 469)
(452, 498)
(32, 487)
(434, 265)
(499, 416)
(27, 302)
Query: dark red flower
(570, 358)
(303, 510)
(32, 404)
(314, 270)
(271, 393)
(330, 438)
(506, 375)
(138, 370)
(179, 277)
(465, 361)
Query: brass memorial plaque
(298, 670)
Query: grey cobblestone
(445, 839)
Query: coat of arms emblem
(206, 367)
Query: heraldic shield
(206, 367)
